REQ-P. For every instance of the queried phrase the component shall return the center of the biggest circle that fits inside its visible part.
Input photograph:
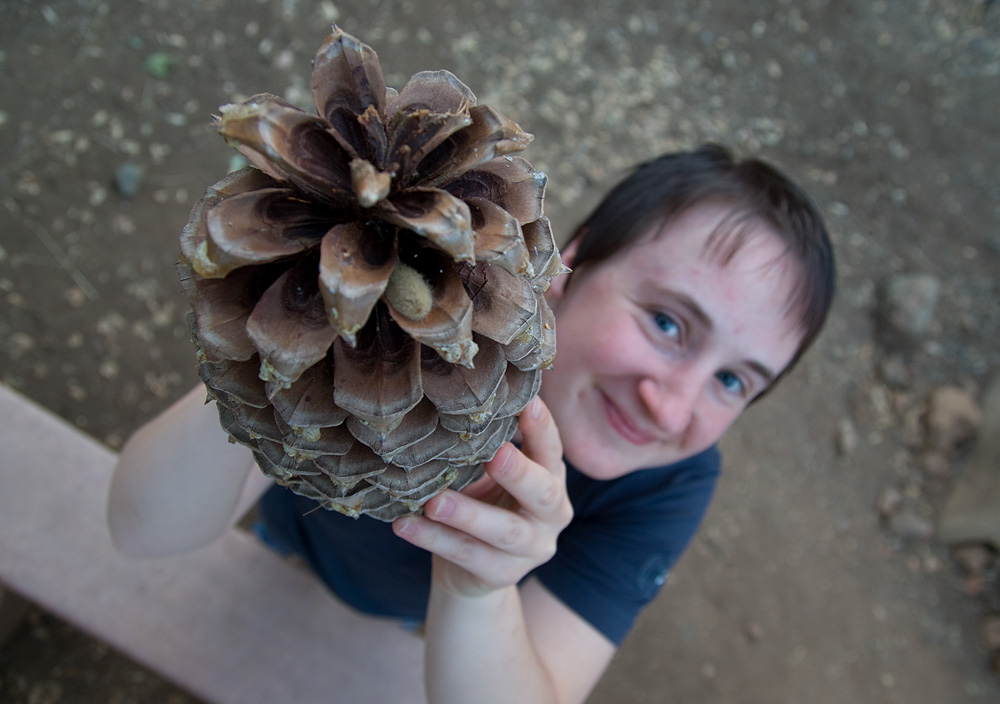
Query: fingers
(535, 476)
(540, 437)
(506, 530)
(480, 570)
(508, 524)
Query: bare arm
(178, 482)
(487, 640)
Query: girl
(698, 282)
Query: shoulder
(625, 536)
(647, 493)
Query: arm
(487, 640)
(178, 482)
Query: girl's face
(661, 347)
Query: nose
(671, 405)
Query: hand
(503, 526)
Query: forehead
(709, 248)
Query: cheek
(713, 421)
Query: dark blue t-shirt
(611, 560)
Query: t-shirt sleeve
(625, 537)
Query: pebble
(889, 501)
(847, 437)
(991, 631)
(936, 464)
(894, 371)
(908, 302)
(910, 526)
(754, 632)
(19, 344)
(974, 559)
(159, 65)
(128, 179)
(953, 418)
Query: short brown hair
(662, 188)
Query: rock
(991, 631)
(159, 64)
(847, 436)
(889, 501)
(907, 304)
(754, 632)
(894, 372)
(973, 585)
(910, 526)
(953, 418)
(973, 559)
(936, 464)
(128, 179)
(972, 512)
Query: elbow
(129, 539)
(130, 536)
(138, 532)
(135, 539)
(143, 527)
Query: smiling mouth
(623, 426)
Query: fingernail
(535, 409)
(404, 527)
(507, 458)
(444, 506)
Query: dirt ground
(795, 589)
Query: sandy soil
(795, 590)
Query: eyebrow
(698, 312)
(693, 308)
(765, 372)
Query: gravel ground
(798, 588)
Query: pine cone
(367, 296)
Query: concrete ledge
(232, 622)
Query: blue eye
(730, 382)
(667, 324)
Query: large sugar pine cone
(367, 296)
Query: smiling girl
(698, 282)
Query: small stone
(973, 585)
(20, 343)
(889, 501)
(128, 179)
(329, 11)
(953, 418)
(754, 632)
(907, 305)
(991, 631)
(109, 369)
(847, 437)
(972, 512)
(910, 526)
(936, 464)
(159, 65)
(974, 559)
(894, 372)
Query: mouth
(624, 426)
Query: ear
(567, 254)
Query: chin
(599, 464)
